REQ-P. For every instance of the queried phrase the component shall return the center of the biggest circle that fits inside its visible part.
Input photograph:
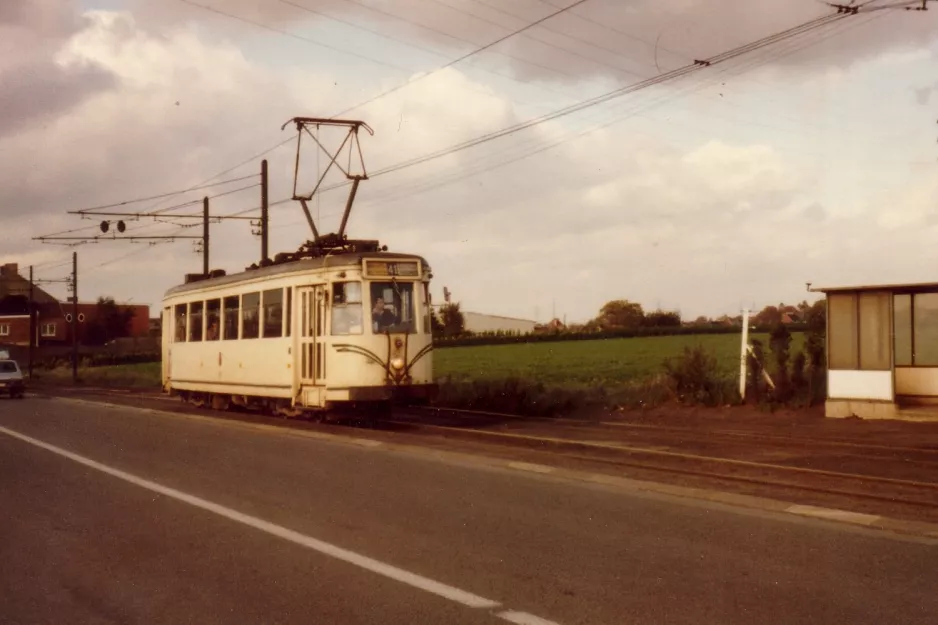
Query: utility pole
(32, 326)
(265, 219)
(205, 236)
(74, 317)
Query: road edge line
(903, 527)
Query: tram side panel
(245, 367)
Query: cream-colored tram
(303, 335)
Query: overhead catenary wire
(161, 195)
(726, 56)
(813, 24)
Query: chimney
(10, 270)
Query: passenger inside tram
(382, 317)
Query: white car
(11, 379)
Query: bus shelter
(882, 350)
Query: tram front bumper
(405, 392)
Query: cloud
(37, 87)
(705, 220)
(596, 41)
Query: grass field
(601, 362)
(146, 374)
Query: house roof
(913, 286)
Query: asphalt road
(119, 516)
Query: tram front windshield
(392, 307)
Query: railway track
(661, 459)
(928, 453)
(854, 485)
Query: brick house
(53, 318)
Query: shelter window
(250, 315)
(231, 318)
(4, 329)
(195, 321)
(181, 322)
(859, 331)
(392, 307)
(347, 308)
(273, 313)
(212, 320)
(916, 329)
(902, 329)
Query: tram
(303, 334)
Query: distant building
(479, 322)
(53, 318)
(554, 325)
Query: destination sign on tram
(392, 268)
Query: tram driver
(381, 317)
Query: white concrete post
(744, 347)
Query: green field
(600, 362)
(122, 376)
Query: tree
(454, 323)
(109, 322)
(621, 314)
(436, 326)
(780, 344)
(768, 316)
(662, 319)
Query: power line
(294, 35)
(161, 195)
(696, 66)
(463, 57)
(680, 72)
(418, 47)
(537, 39)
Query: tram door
(312, 324)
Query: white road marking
(527, 466)
(369, 564)
(836, 515)
(523, 618)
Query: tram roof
(350, 259)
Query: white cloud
(705, 220)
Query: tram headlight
(397, 363)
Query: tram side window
(250, 315)
(289, 308)
(392, 307)
(212, 320)
(181, 319)
(195, 321)
(231, 318)
(426, 310)
(347, 308)
(273, 313)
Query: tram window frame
(196, 321)
(231, 317)
(399, 306)
(213, 313)
(288, 313)
(272, 323)
(426, 309)
(250, 325)
(180, 322)
(347, 309)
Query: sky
(813, 160)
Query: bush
(697, 379)
(490, 338)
